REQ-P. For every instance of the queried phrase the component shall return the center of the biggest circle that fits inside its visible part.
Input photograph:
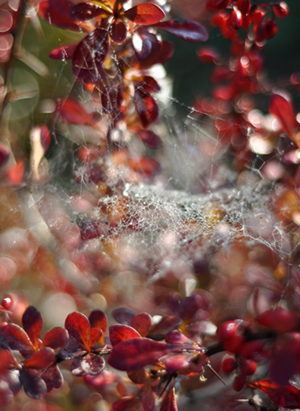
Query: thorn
(216, 374)
(174, 375)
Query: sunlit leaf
(169, 403)
(145, 14)
(98, 319)
(32, 323)
(78, 327)
(142, 323)
(56, 338)
(95, 335)
(187, 30)
(120, 332)
(41, 359)
(286, 396)
(136, 353)
(282, 108)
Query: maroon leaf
(71, 349)
(118, 31)
(119, 333)
(41, 359)
(160, 56)
(123, 315)
(136, 353)
(137, 376)
(32, 323)
(148, 399)
(53, 378)
(148, 84)
(216, 5)
(145, 14)
(146, 107)
(6, 358)
(55, 338)
(124, 403)
(169, 402)
(282, 108)
(63, 52)
(57, 13)
(78, 327)
(286, 396)
(4, 154)
(95, 336)
(142, 323)
(87, 11)
(34, 386)
(176, 337)
(73, 112)
(90, 54)
(144, 42)
(91, 364)
(98, 319)
(176, 362)
(150, 139)
(187, 30)
(15, 337)
(168, 323)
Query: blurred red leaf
(187, 30)
(53, 378)
(63, 52)
(137, 376)
(145, 14)
(282, 108)
(136, 353)
(123, 315)
(15, 174)
(4, 154)
(41, 359)
(87, 11)
(216, 5)
(145, 166)
(78, 327)
(148, 398)
(118, 31)
(150, 139)
(34, 386)
(146, 107)
(73, 112)
(55, 338)
(142, 323)
(286, 396)
(32, 323)
(160, 56)
(57, 13)
(15, 337)
(6, 358)
(169, 402)
(176, 337)
(119, 333)
(124, 403)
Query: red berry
(227, 330)
(235, 19)
(219, 19)
(208, 55)
(279, 319)
(248, 367)
(281, 9)
(270, 28)
(229, 364)
(239, 382)
(244, 6)
(252, 349)
(7, 302)
(234, 344)
(259, 31)
(257, 14)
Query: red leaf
(169, 402)
(124, 403)
(15, 337)
(41, 359)
(118, 31)
(15, 174)
(137, 376)
(73, 112)
(63, 52)
(148, 399)
(56, 338)
(282, 108)
(32, 323)
(146, 107)
(98, 319)
(286, 396)
(119, 333)
(71, 350)
(34, 386)
(150, 139)
(142, 323)
(216, 5)
(95, 335)
(91, 364)
(6, 358)
(87, 11)
(145, 166)
(148, 84)
(187, 30)
(4, 154)
(136, 353)
(78, 327)
(160, 56)
(123, 315)
(168, 323)
(57, 13)
(90, 55)
(53, 378)
(144, 42)
(145, 14)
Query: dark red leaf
(286, 396)
(142, 323)
(73, 112)
(124, 403)
(284, 360)
(78, 327)
(176, 362)
(15, 337)
(57, 13)
(176, 337)
(87, 11)
(34, 386)
(53, 378)
(118, 31)
(90, 55)
(119, 333)
(160, 56)
(148, 84)
(137, 376)
(146, 107)
(135, 353)
(4, 154)
(71, 350)
(6, 358)
(56, 338)
(169, 403)
(91, 364)
(143, 42)
(145, 14)
(123, 315)
(282, 108)
(150, 139)
(63, 52)
(148, 399)
(167, 323)
(32, 323)
(216, 5)
(41, 359)
(187, 30)
(98, 319)
(95, 335)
